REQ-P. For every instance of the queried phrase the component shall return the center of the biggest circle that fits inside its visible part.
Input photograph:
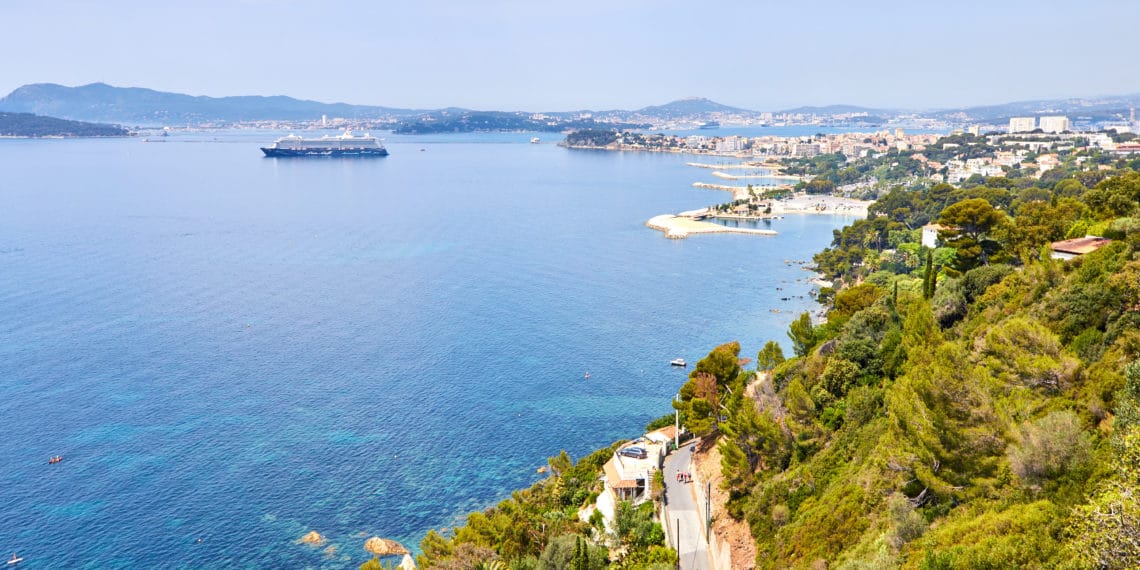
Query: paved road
(682, 512)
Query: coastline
(684, 224)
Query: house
(930, 234)
(625, 485)
(1070, 248)
(627, 477)
(1047, 162)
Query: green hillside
(976, 405)
(977, 412)
(29, 125)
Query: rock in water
(313, 537)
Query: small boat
(587, 376)
(534, 140)
(677, 362)
(15, 560)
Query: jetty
(738, 192)
(681, 227)
(735, 166)
(767, 175)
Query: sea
(229, 351)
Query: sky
(541, 55)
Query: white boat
(15, 560)
(677, 362)
(534, 140)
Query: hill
(1090, 108)
(837, 110)
(492, 121)
(139, 106)
(692, 107)
(29, 125)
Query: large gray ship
(342, 145)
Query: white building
(730, 144)
(1022, 124)
(1054, 124)
(1101, 140)
(805, 150)
(930, 235)
(696, 141)
(628, 476)
(1047, 162)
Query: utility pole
(678, 519)
(708, 511)
(676, 429)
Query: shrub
(977, 280)
(1048, 447)
(949, 303)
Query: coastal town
(842, 173)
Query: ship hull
(324, 152)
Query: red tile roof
(614, 478)
(1080, 246)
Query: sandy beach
(682, 225)
(802, 203)
(678, 227)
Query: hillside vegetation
(969, 407)
(975, 405)
(29, 125)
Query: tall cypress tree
(928, 277)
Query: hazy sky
(597, 54)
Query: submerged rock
(313, 537)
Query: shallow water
(242, 349)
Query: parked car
(634, 452)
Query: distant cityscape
(139, 108)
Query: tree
(711, 377)
(1106, 531)
(802, 334)
(1116, 196)
(722, 362)
(929, 279)
(854, 299)
(770, 356)
(969, 224)
(560, 463)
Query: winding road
(682, 512)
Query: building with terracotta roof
(930, 234)
(628, 477)
(1070, 248)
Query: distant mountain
(29, 125)
(138, 106)
(489, 121)
(692, 107)
(1090, 108)
(837, 110)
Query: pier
(681, 227)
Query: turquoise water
(242, 349)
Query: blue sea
(239, 350)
